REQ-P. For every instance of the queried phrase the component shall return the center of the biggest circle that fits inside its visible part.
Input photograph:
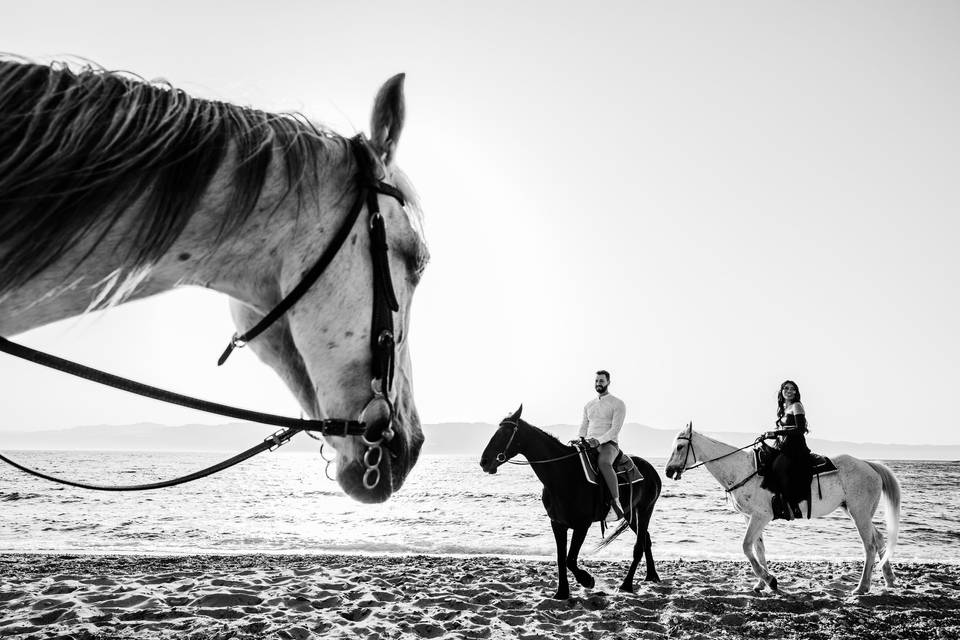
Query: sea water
(283, 503)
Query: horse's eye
(679, 446)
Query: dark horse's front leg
(560, 534)
(576, 541)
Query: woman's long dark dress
(791, 469)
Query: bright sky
(704, 198)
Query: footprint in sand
(217, 600)
(427, 630)
(328, 602)
(294, 633)
(58, 589)
(50, 603)
(221, 614)
(596, 603)
(98, 582)
(355, 615)
(48, 618)
(445, 616)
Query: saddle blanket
(627, 472)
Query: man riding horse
(602, 420)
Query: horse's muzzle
(371, 474)
(489, 464)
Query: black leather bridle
(374, 432)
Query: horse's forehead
(411, 209)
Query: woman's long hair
(781, 402)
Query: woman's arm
(799, 417)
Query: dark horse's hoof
(586, 580)
(773, 584)
(652, 577)
(561, 595)
(626, 588)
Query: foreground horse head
(504, 444)
(682, 454)
(113, 189)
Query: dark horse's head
(503, 445)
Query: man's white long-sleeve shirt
(603, 418)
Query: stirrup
(613, 514)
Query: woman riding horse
(790, 471)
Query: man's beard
(601, 389)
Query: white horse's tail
(891, 492)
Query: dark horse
(571, 501)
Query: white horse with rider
(856, 486)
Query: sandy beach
(340, 596)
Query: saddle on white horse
(817, 466)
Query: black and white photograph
(479, 320)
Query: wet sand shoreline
(417, 596)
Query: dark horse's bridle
(382, 348)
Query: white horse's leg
(885, 565)
(868, 533)
(753, 533)
(761, 550)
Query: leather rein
(382, 347)
(502, 456)
(686, 457)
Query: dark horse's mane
(545, 433)
(77, 148)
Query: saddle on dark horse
(627, 476)
(790, 491)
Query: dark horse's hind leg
(642, 547)
(560, 534)
(576, 541)
(652, 575)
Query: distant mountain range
(447, 438)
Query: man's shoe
(615, 513)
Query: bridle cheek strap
(369, 186)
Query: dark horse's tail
(623, 526)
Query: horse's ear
(516, 414)
(386, 122)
